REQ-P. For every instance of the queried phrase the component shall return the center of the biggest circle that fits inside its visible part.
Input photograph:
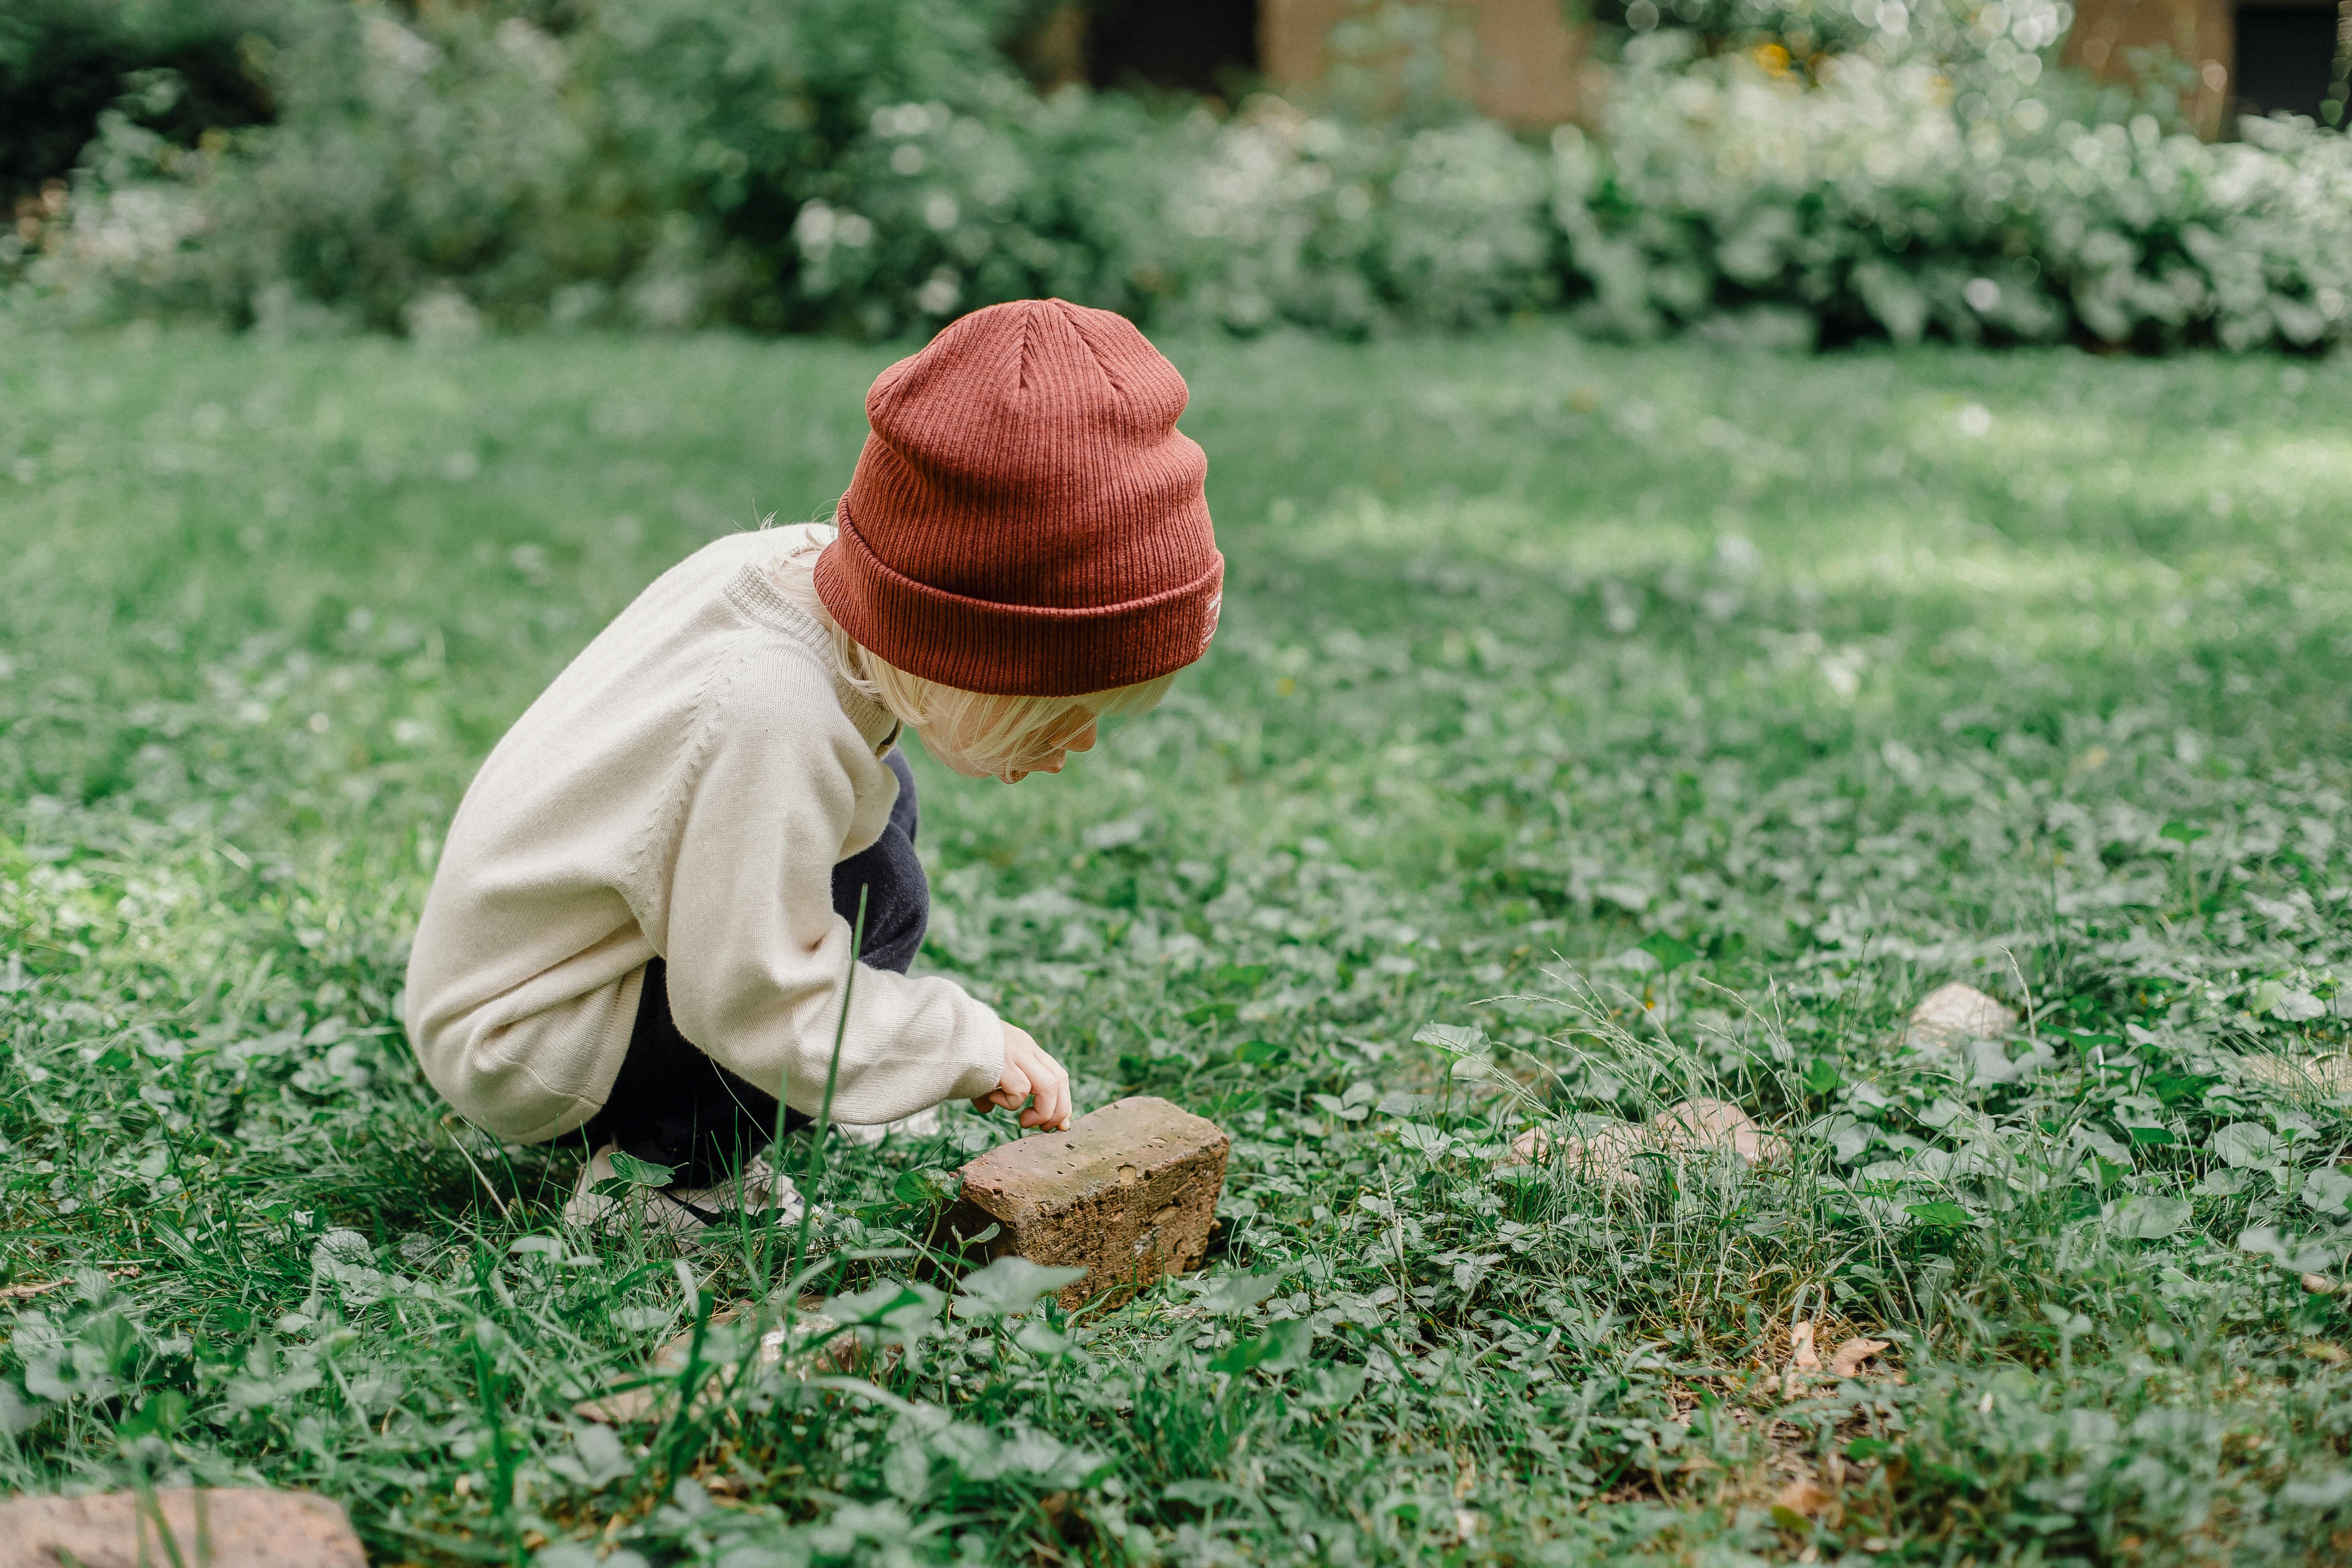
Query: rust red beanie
(1026, 519)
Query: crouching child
(639, 932)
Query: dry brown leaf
(1801, 1355)
(1804, 1496)
(1847, 1359)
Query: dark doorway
(2286, 58)
(1197, 46)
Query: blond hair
(991, 733)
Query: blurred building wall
(2250, 57)
(2198, 32)
(1521, 62)
(1523, 65)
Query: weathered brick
(1127, 1193)
(238, 1528)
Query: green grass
(1830, 680)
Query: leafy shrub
(934, 212)
(399, 160)
(838, 167)
(828, 165)
(404, 158)
(1313, 220)
(1807, 30)
(647, 163)
(1876, 200)
(64, 62)
(844, 165)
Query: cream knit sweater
(683, 789)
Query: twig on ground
(31, 1289)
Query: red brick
(1127, 1193)
(240, 1528)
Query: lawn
(1588, 728)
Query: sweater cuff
(981, 1036)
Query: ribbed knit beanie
(1026, 519)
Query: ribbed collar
(754, 592)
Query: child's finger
(1013, 1081)
(1053, 1099)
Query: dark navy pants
(672, 1105)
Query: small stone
(1601, 1153)
(1127, 1193)
(1718, 1125)
(2326, 1076)
(238, 1528)
(1951, 1013)
(1611, 1152)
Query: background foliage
(1788, 175)
(1963, 190)
(63, 63)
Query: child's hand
(1029, 1070)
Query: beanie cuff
(1012, 651)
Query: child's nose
(1084, 739)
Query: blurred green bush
(1831, 169)
(1964, 192)
(63, 63)
(657, 161)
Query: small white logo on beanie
(1215, 604)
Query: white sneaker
(691, 1212)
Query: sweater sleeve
(758, 959)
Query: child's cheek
(947, 756)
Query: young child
(639, 935)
